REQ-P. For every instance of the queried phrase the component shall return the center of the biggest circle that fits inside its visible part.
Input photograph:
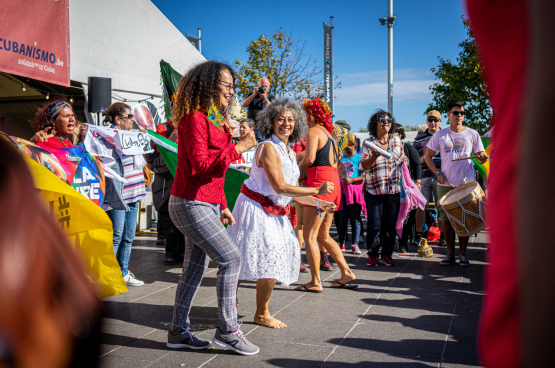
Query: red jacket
(204, 153)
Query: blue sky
(424, 30)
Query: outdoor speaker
(100, 93)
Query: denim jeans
(350, 212)
(124, 224)
(383, 211)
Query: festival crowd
(307, 175)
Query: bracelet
(318, 206)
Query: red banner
(34, 39)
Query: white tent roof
(125, 40)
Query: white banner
(126, 142)
(245, 160)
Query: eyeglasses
(457, 113)
(229, 86)
(128, 116)
(432, 120)
(388, 120)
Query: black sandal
(344, 286)
(308, 290)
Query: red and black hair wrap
(320, 112)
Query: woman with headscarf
(321, 159)
(54, 125)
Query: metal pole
(199, 42)
(331, 87)
(390, 57)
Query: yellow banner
(87, 226)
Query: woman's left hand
(329, 207)
(83, 129)
(227, 218)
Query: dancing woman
(200, 113)
(321, 159)
(264, 234)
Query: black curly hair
(373, 122)
(198, 88)
(42, 118)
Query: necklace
(61, 141)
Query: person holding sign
(198, 206)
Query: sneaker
(161, 241)
(186, 340)
(235, 341)
(303, 269)
(325, 264)
(130, 280)
(169, 261)
(442, 242)
(463, 260)
(388, 261)
(355, 249)
(403, 248)
(448, 260)
(372, 261)
(342, 247)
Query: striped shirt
(384, 176)
(134, 190)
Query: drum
(465, 208)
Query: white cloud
(371, 87)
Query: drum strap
(460, 164)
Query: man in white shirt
(453, 142)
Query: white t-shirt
(454, 145)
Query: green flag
(170, 79)
(233, 178)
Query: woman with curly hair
(264, 234)
(201, 115)
(54, 125)
(321, 159)
(382, 179)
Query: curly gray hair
(266, 117)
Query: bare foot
(236, 302)
(345, 280)
(310, 286)
(269, 321)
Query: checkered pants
(206, 239)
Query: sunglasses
(129, 116)
(432, 120)
(457, 113)
(229, 86)
(388, 120)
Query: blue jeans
(124, 224)
(350, 212)
(383, 211)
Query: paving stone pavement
(417, 314)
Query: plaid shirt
(384, 176)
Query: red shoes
(324, 262)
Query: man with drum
(454, 142)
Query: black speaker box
(99, 93)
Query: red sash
(265, 202)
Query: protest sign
(143, 116)
(245, 160)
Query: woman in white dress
(263, 231)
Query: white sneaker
(130, 280)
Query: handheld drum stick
(462, 158)
(375, 147)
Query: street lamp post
(389, 21)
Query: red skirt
(318, 176)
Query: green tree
(463, 81)
(282, 60)
(363, 130)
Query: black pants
(175, 241)
(407, 227)
(382, 216)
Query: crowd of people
(304, 167)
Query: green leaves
(463, 81)
(282, 60)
